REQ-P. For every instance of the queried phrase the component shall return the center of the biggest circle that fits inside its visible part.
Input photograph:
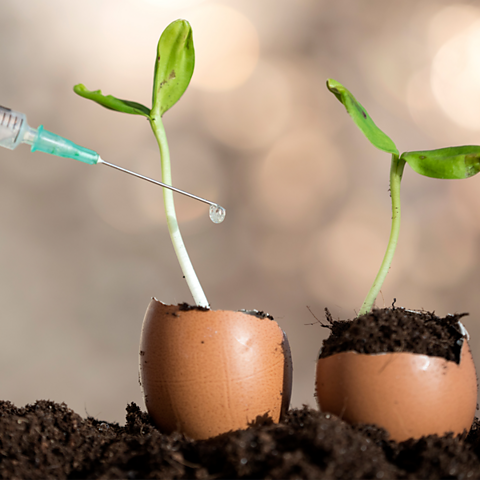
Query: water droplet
(217, 213)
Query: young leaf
(111, 102)
(174, 65)
(362, 118)
(448, 163)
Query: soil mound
(48, 440)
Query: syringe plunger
(13, 126)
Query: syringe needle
(217, 213)
(156, 182)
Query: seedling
(174, 66)
(446, 163)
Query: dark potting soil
(47, 440)
(257, 313)
(185, 307)
(396, 330)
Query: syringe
(15, 130)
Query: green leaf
(361, 117)
(111, 102)
(174, 65)
(448, 163)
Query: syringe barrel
(12, 127)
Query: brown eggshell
(207, 372)
(409, 395)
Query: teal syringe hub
(49, 142)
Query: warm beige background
(83, 248)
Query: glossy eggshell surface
(409, 395)
(207, 372)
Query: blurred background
(84, 248)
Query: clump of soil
(257, 313)
(186, 307)
(47, 440)
(396, 330)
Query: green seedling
(174, 66)
(446, 163)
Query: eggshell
(409, 395)
(207, 372)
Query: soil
(48, 440)
(185, 307)
(396, 330)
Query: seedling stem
(177, 240)
(396, 173)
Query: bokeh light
(299, 159)
(252, 115)
(455, 75)
(175, 4)
(226, 45)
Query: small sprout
(445, 163)
(174, 65)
